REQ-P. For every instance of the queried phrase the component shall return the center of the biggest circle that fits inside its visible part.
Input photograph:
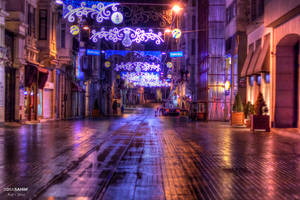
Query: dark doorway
(10, 90)
(287, 79)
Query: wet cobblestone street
(140, 156)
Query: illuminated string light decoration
(138, 67)
(127, 35)
(100, 11)
(144, 79)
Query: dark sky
(141, 1)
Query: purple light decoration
(99, 11)
(127, 36)
(138, 66)
(144, 79)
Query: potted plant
(260, 120)
(96, 111)
(248, 111)
(237, 114)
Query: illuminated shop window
(259, 80)
(251, 80)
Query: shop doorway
(287, 82)
(10, 93)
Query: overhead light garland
(138, 66)
(99, 11)
(127, 35)
(144, 79)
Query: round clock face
(107, 64)
(74, 30)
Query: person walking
(115, 107)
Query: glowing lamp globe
(227, 85)
(117, 18)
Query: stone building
(3, 60)
(272, 62)
(211, 72)
(235, 43)
(16, 97)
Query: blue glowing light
(93, 52)
(156, 54)
(176, 54)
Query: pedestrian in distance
(115, 107)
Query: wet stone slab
(142, 156)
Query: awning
(43, 76)
(32, 72)
(246, 64)
(262, 66)
(253, 62)
(76, 87)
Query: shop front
(35, 80)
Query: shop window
(43, 24)
(194, 22)
(258, 43)
(194, 3)
(261, 7)
(230, 12)
(31, 20)
(258, 79)
(63, 36)
(193, 47)
(267, 78)
(251, 80)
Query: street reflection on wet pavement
(140, 156)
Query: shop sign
(176, 54)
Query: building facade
(3, 60)
(272, 62)
(235, 43)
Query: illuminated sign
(176, 54)
(117, 18)
(176, 33)
(74, 30)
(92, 52)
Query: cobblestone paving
(147, 157)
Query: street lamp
(167, 31)
(60, 2)
(86, 28)
(176, 8)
